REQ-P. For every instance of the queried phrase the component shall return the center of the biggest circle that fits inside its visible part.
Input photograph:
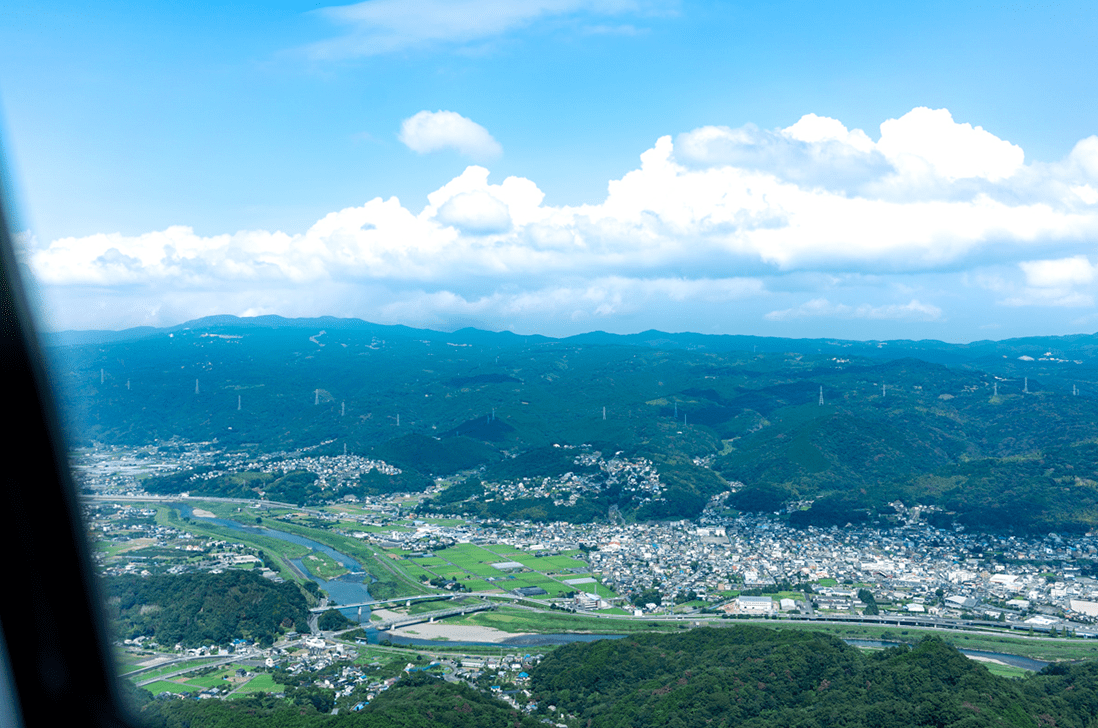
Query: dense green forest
(203, 609)
(1017, 417)
(750, 676)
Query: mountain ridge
(927, 349)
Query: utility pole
(316, 397)
(821, 396)
(1026, 390)
(196, 386)
(604, 414)
(238, 400)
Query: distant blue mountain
(1081, 347)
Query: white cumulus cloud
(1067, 282)
(1059, 273)
(433, 131)
(716, 215)
(478, 213)
(930, 139)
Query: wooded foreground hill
(1003, 438)
(194, 610)
(757, 677)
(709, 677)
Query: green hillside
(202, 609)
(749, 676)
(701, 412)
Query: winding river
(350, 588)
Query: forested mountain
(756, 677)
(704, 410)
(202, 609)
(709, 677)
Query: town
(719, 564)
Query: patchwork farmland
(500, 568)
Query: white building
(759, 605)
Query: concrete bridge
(406, 620)
(380, 602)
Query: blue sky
(810, 168)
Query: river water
(350, 588)
(1025, 663)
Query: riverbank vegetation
(279, 553)
(388, 581)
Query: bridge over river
(380, 602)
(425, 597)
(409, 619)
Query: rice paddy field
(164, 686)
(261, 683)
(169, 668)
(223, 677)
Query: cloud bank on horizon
(740, 230)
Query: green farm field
(173, 668)
(164, 686)
(260, 683)
(472, 565)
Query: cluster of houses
(136, 544)
(333, 472)
(115, 470)
(910, 567)
(594, 475)
(119, 471)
